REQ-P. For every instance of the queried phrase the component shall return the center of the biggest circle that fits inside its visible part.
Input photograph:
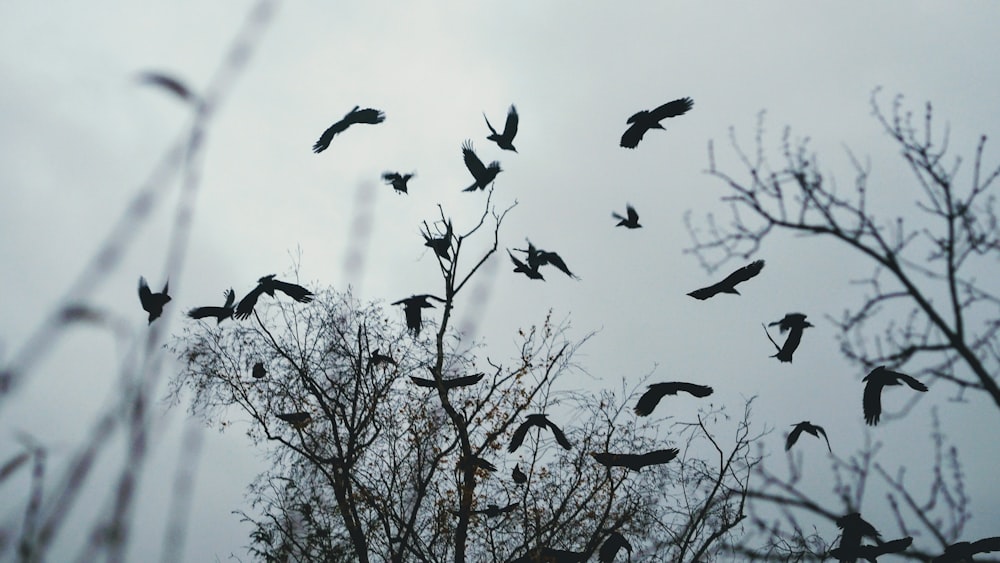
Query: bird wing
(677, 107)
(492, 130)
(391, 176)
(693, 388)
(650, 399)
(986, 545)
(169, 83)
(744, 273)
(607, 459)
(910, 380)
(324, 140)
(463, 381)
(248, 302)
(518, 438)
(555, 260)
(819, 430)
(632, 135)
(510, 128)
(421, 382)
(706, 292)
(872, 402)
(558, 434)
(295, 291)
(612, 546)
(472, 162)
(230, 298)
(202, 312)
(617, 216)
(793, 436)
(145, 294)
(657, 457)
(367, 115)
(632, 215)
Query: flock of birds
(853, 526)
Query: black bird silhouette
(269, 285)
(612, 546)
(397, 181)
(630, 222)
(378, 359)
(259, 372)
(871, 553)
(728, 285)
(367, 115)
(537, 258)
(464, 381)
(551, 555)
(877, 379)
(795, 324)
(412, 306)
(541, 421)
(505, 140)
(296, 419)
(635, 462)
(518, 476)
(491, 510)
(645, 120)
(482, 174)
(963, 551)
(441, 244)
(151, 302)
(220, 313)
(656, 391)
(522, 268)
(854, 528)
(476, 461)
(169, 83)
(806, 426)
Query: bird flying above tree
(505, 140)
(877, 379)
(440, 245)
(806, 426)
(795, 324)
(728, 285)
(220, 313)
(151, 302)
(481, 173)
(412, 306)
(448, 384)
(269, 285)
(397, 181)
(522, 268)
(541, 421)
(635, 462)
(629, 222)
(537, 258)
(645, 120)
(367, 115)
(656, 391)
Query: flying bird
(505, 140)
(728, 285)
(806, 426)
(476, 461)
(298, 420)
(440, 245)
(522, 268)
(635, 462)
(367, 115)
(169, 83)
(871, 553)
(397, 181)
(448, 384)
(259, 372)
(412, 306)
(537, 258)
(151, 302)
(482, 174)
(629, 222)
(877, 379)
(541, 421)
(612, 546)
(269, 285)
(518, 476)
(795, 324)
(645, 120)
(491, 510)
(378, 359)
(656, 391)
(220, 313)
(963, 551)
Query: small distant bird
(505, 140)
(482, 174)
(522, 268)
(630, 222)
(656, 391)
(169, 83)
(440, 245)
(963, 551)
(411, 308)
(367, 115)
(298, 420)
(537, 258)
(871, 553)
(378, 359)
(635, 462)
(448, 384)
(269, 285)
(645, 120)
(151, 302)
(518, 476)
(476, 461)
(728, 285)
(397, 181)
(491, 510)
(220, 313)
(877, 379)
(541, 421)
(806, 426)
(259, 372)
(795, 324)
(612, 546)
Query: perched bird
(268, 285)
(440, 245)
(871, 552)
(877, 379)
(963, 551)
(448, 384)
(537, 258)
(795, 324)
(630, 222)
(298, 420)
(806, 426)
(378, 359)
(151, 302)
(509, 130)
(854, 528)
(522, 268)
(656, 391)
(258, 371)
(541, 421)
(367, 115)
(477, 462)
(169, 83)
(412, 306)
(518, 476)
(612, 546)
(635, 462)
(482, 174)
(220, 313)
(728, 285)
(645, 120)
(397, 181)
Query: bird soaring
(645, 120)
(151, 302)
(541, 421)
(452, 383)
(635, 462)
(877, 379)
(412, 306)
(397, 181)
(794, 324)
(728, 285)
(505, 140)
(220, 313)
(656, 391)
(630, 222)
(612, 546)
(367, 115)
(269, 285)
(482, 174)
(806, 426)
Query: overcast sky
(79, 136)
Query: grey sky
(79, 135)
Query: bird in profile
(656, 391)
(168, 83)
(259, 372)
(635, 462)
(397, 181)
(551, 555)
(505, 140)
(629, 222)
(448, 384)
(412, 307)
(367, 115)
(378, 359)
(518, 476)
(645, 120)
(522, 268)
(877, 379)
(964, 551)
(794, 324)
(482, 174)
(477, 462)
(612, 546)
(728, 285)
(269, 285)
(220, 313)
(806, 426)
(537, 258)
(298, 420)
(854, 529)
(871, 553)
(440, 245)
(151, 302)
(541, 421)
